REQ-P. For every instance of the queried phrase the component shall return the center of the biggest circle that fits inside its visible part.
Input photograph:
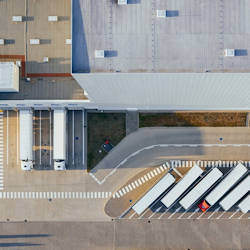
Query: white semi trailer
(59, 139)
(26, 139)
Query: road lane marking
(167, 145)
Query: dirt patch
(102, 126)
(193, 119)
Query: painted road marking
(168, 145)
(176, 211)
(55, 195)
(177, 172)
(156, 211)
(220, 215)
(216, 210)
(130, 217)
(196, 210)
(234, 213)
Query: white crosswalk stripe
(56, 195)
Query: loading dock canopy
(153, 193)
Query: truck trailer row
(26, 139)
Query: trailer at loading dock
(182, 186)
(26, 139)
(244, 205)
(59, 139)
(207, 182)
(227, 183)
(236, 194)
(160, 187)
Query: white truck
(236, 194)
(192, 175)
(26, 139)
(205, 184)
(223, 187)
(59, 139)
(153, 193)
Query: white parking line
(156, 211)
(234, 213)
(216, 210)
(220, 215)
(196, 210)
(132, 215)
(176, 211)
(177, 172)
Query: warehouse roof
(9, 77)
(173, 91)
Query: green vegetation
(193, 119)
(102, 126)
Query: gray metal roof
(170, 91)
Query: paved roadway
(124, 234)
(136, 153)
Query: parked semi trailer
(223, 187)
(236, 194)
(59, 139)
(181, 186)
(200, 189)
(244, 205)
(26, 139)
(160, 187)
